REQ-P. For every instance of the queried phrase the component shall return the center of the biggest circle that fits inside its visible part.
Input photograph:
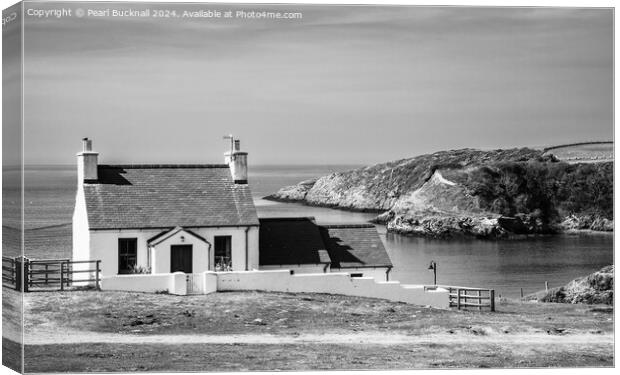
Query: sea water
(508, 266)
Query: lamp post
(433, 266)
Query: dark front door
(181, 258)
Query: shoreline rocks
(587, 222)
(490, 226)
(595, 288)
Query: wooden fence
(45, 274)
(9, 272)
(463, 297)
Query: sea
(511, 267)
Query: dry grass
(241, 357)
(283, 313)
(467, 338)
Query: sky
(342, 85)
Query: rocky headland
(489, 194)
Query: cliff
(594, 288)
(482, 193)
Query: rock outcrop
(592, 289)
(585, 222)
(481, 193)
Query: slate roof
(355, 246)
(167, 196)
(302, 241)
(291, 241)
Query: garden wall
(281, 281)
(332, 283)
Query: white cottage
(164, 218)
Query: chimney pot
(87, 162)
(237, 160)
(87, 144)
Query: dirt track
(370, 338)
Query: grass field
(595, 152)
(242, 357)
(119, 331)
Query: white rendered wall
(80, 236)
(305, 268)
(253, 251)
(238, 164)
(87, 166)
(238, 247)
(173, 283)
(104, 247)
(209, 282)
(139, 283)
(332, 283)
(378, 273)
(283, 281)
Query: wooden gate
(194, 283)
(464, 297)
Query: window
(222, 253)
(127, 254)
(357, 275)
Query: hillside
(594, 288)
(483, 193)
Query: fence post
(26, 274)
(97, 276)
(13, 272)
(69, 273)
(62, 275)
(492, 297)
(458, 299)
(46, 269)
(19, 270)
(479, 300)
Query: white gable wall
(80, 234)
(104, 247)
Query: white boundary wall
(332, 283)
(173, 283)
(282, 281)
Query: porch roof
(161, 237)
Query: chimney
(87, 162)
(238, 162)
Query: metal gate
(194, 283)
